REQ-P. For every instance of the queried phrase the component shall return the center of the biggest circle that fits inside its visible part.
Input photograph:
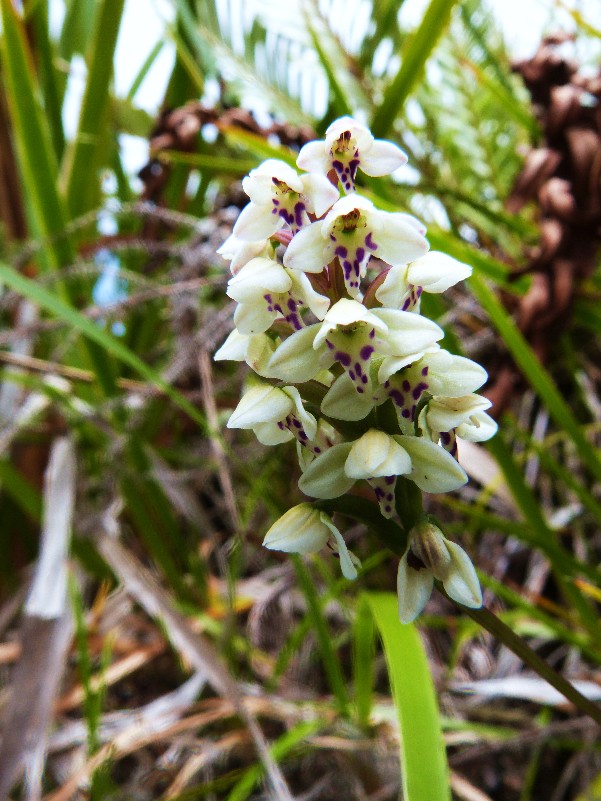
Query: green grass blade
(424, 766)
(36, 159)
(536, 375)
(92, 331)
(81, 184)
(416, 52)
(363, 661)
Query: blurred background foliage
(179, 631)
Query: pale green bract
(328, 291)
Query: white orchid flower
(265, 291)
(430, 555)
(274, 414)
(351, 335)
(304, 529)
(437, 373)
(435, 273)
(353, 231)
(348, 146)
(278, 197)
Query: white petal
(436, 272)
(382, 158)
(233, 349)
(271, 434)
(314, 157)
(253, 318)
(395, 287)
(444, 413)
(259, 351)
(256, 278)
(433, 469)
(362, 135)
(256, 222)
(376, 454)
(392, 365)
(306, 250)
(295, 360)
(478, 428)
(320, 192)
(398, 240)
(407, 332)
(308, 421)
(414, 587)
(300, 530)
(462, 583)
(343, 402)
(349, 571)
(258, 184)
(453, 375)
(260, 404)
(301, 286)
(325, 476)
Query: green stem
(495, 626)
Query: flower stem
(495, 626)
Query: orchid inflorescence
(328, 317)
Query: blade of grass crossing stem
(81, 188)
(329, 657)
(416, 52)
(38, 294)
(535, 373)
(424, 768)
(36, 158)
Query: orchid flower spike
(348, 146)
(430, 555)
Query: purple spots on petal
(425, 370)
(317, 449)
(389, 480)
(418, 390)
(372, 333)
(341, 251)
(343, 358)
(292, 304)
(366, 352)
(330, 344)
(397, 397)
(360, 254)
(388, 508)
(358, 368)
(370, 242)
(298, 213)
(364, 379)
(406, 304)
(406, 385)
(406, 414)
(360, 390)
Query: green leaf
(81, 183)
(416, 52)
(424, 766)
(35, 154)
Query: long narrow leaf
(423, 758)
(414, 56)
